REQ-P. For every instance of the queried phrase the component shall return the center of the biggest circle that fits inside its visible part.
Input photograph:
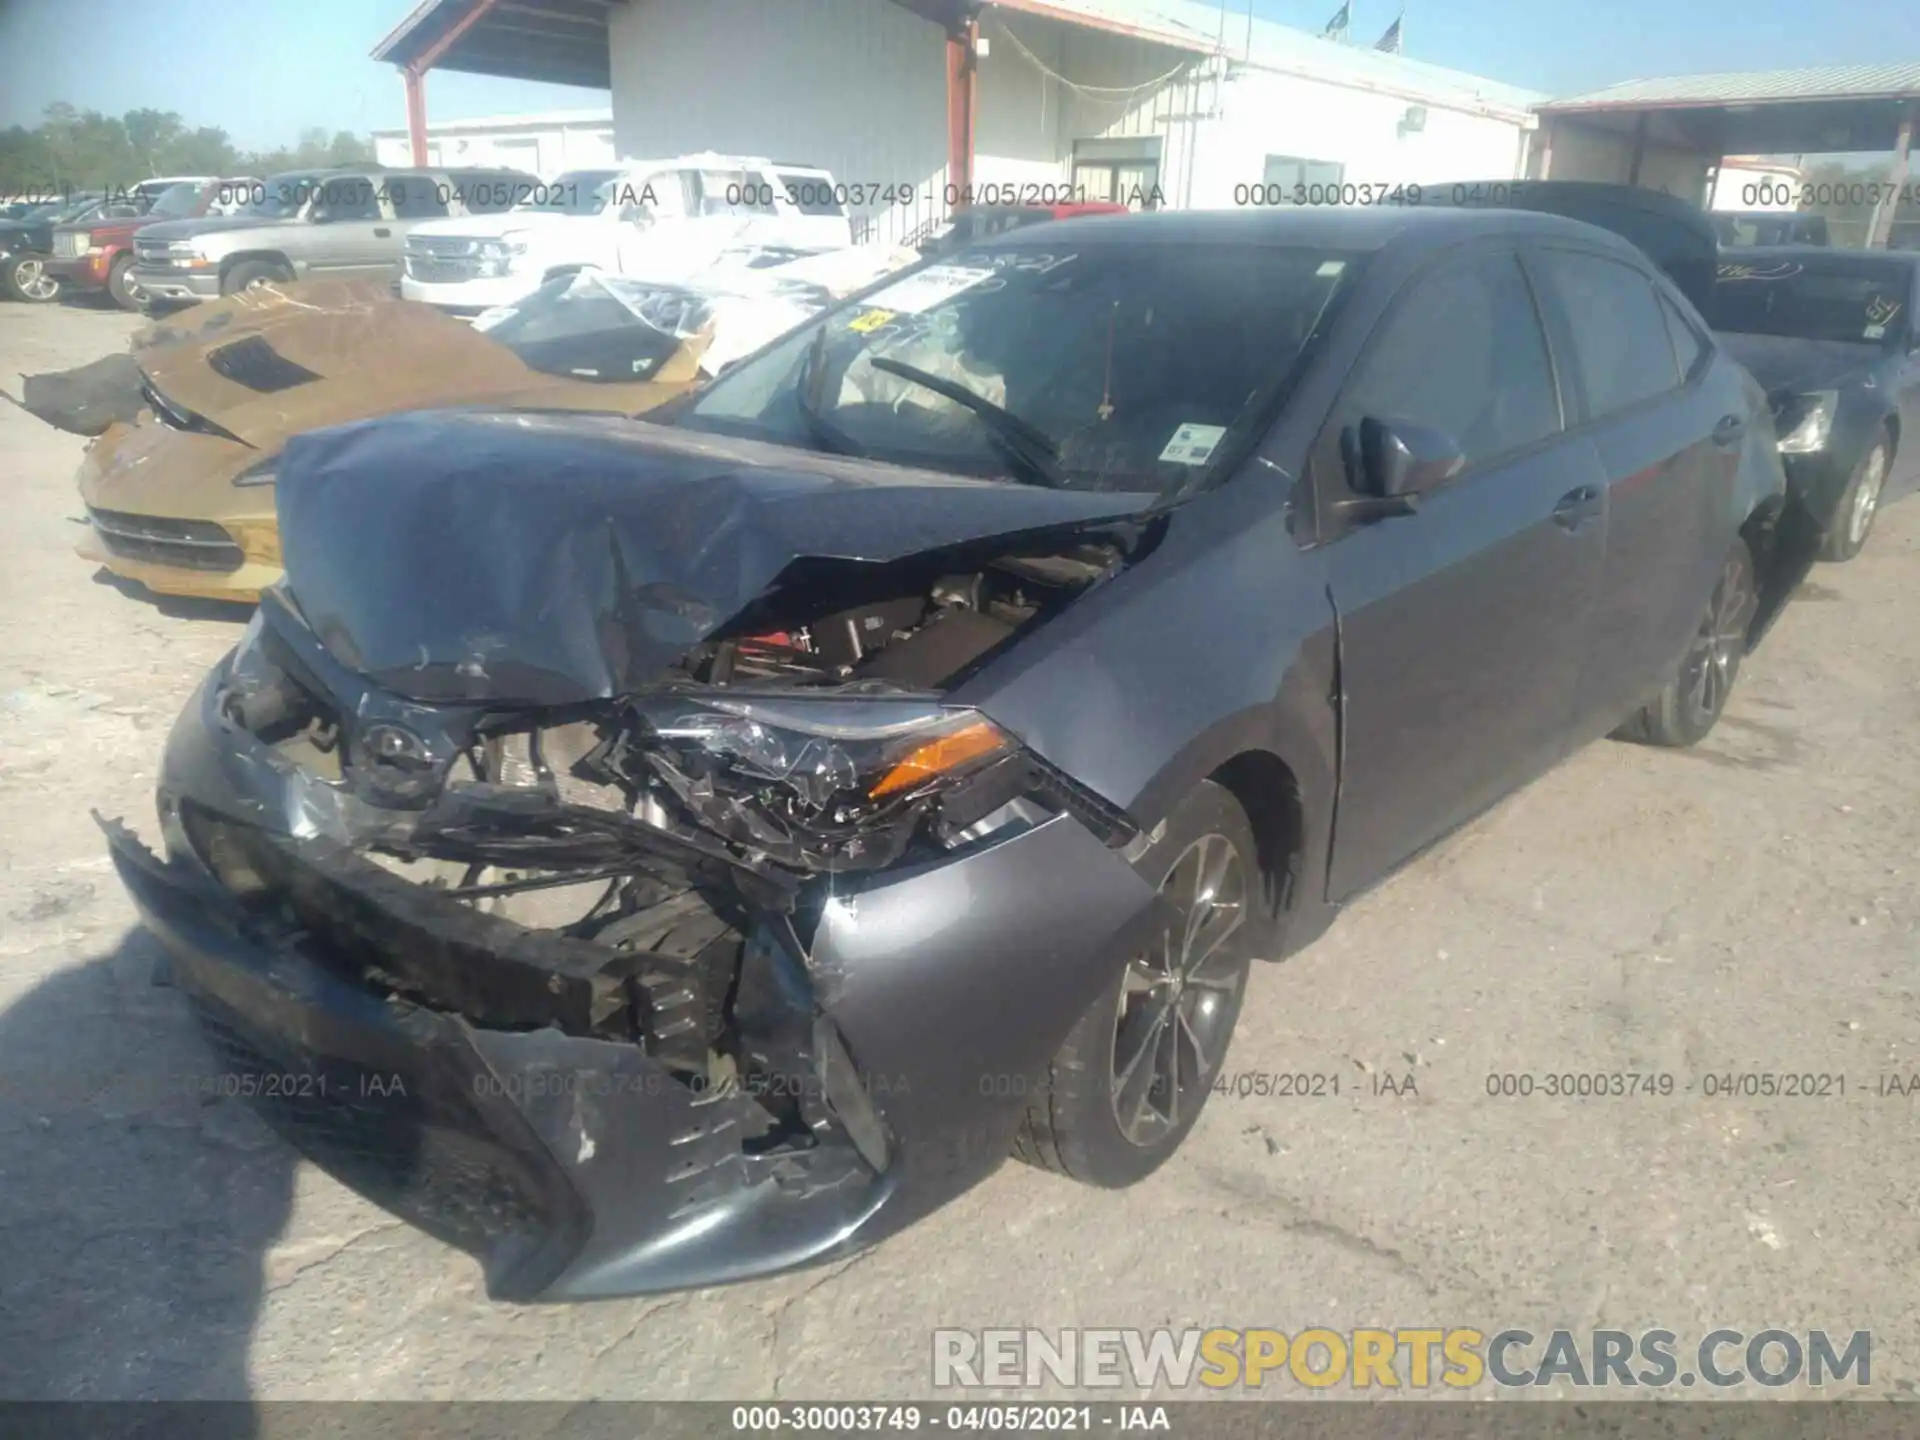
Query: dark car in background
(657, 854)
(1832, 337)
(1674, 233)
(94, 255)
(26, 244)
(1769, 227)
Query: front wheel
(25, 278)
(248, 274)
(1691, 702)
(1129, 1081)
(1859, 503)
(121, 285)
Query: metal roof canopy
(562, 42)
(566, 41)
(1771, 112)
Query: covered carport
(1672, 134)
(567, 42)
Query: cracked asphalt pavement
(1751, 906)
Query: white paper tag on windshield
(1874, 332)
(933, 286)
(1193, 444)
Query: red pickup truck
(98, 254)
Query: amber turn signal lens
(937, 757)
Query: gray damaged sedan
(649, 855)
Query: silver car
(349, 223)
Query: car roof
(1358, 228)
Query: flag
(1337, 26)
(1390, 42)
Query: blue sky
(265, 69)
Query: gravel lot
(1749, 906)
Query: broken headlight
(858, 750)
(823, 783)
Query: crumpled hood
(1780, 363)
(546, 560)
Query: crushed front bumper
(579, 1168)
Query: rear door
(1667, 428)
(1461, 625)
(350, 231)
(1905, 472)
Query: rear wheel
(1133, 1074)
(249, 273)
(25, 277)
(121, 285)
(1859, 503)
(1691, 702)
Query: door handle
(382, 231)
(1576, 507)
(1729, 430)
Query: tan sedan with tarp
(178, 482)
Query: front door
(1461, 625)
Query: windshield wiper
(1027, 447)
(825, 433)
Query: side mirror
(1399, 461)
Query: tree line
(72, 149)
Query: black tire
(249, 273)
(120, 286)
(1693, 699)
(1858, 505)
(24, 278)
(1073, 1124)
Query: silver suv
(308, 224)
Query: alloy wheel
(1866, 497)
(34, 281)
(1714, 659)
(1178, 1000)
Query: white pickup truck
(654, 218)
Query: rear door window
(346, 197)
(1689, 350)
(1623, 352)
(1462, 353)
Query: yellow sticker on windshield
(869, 321)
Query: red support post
(416, 83)
(962, 109)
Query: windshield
(1858, 301)
(1106, 367)
(176, 202)
(578, 192)
(596, 328)
(67, 211)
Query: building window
(1125, 170)
(1288, 171)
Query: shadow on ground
(136, 1207)
(176, 607)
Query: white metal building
(1181, 103)
(1165, 102)
(542, 144)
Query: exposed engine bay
(613, 861)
